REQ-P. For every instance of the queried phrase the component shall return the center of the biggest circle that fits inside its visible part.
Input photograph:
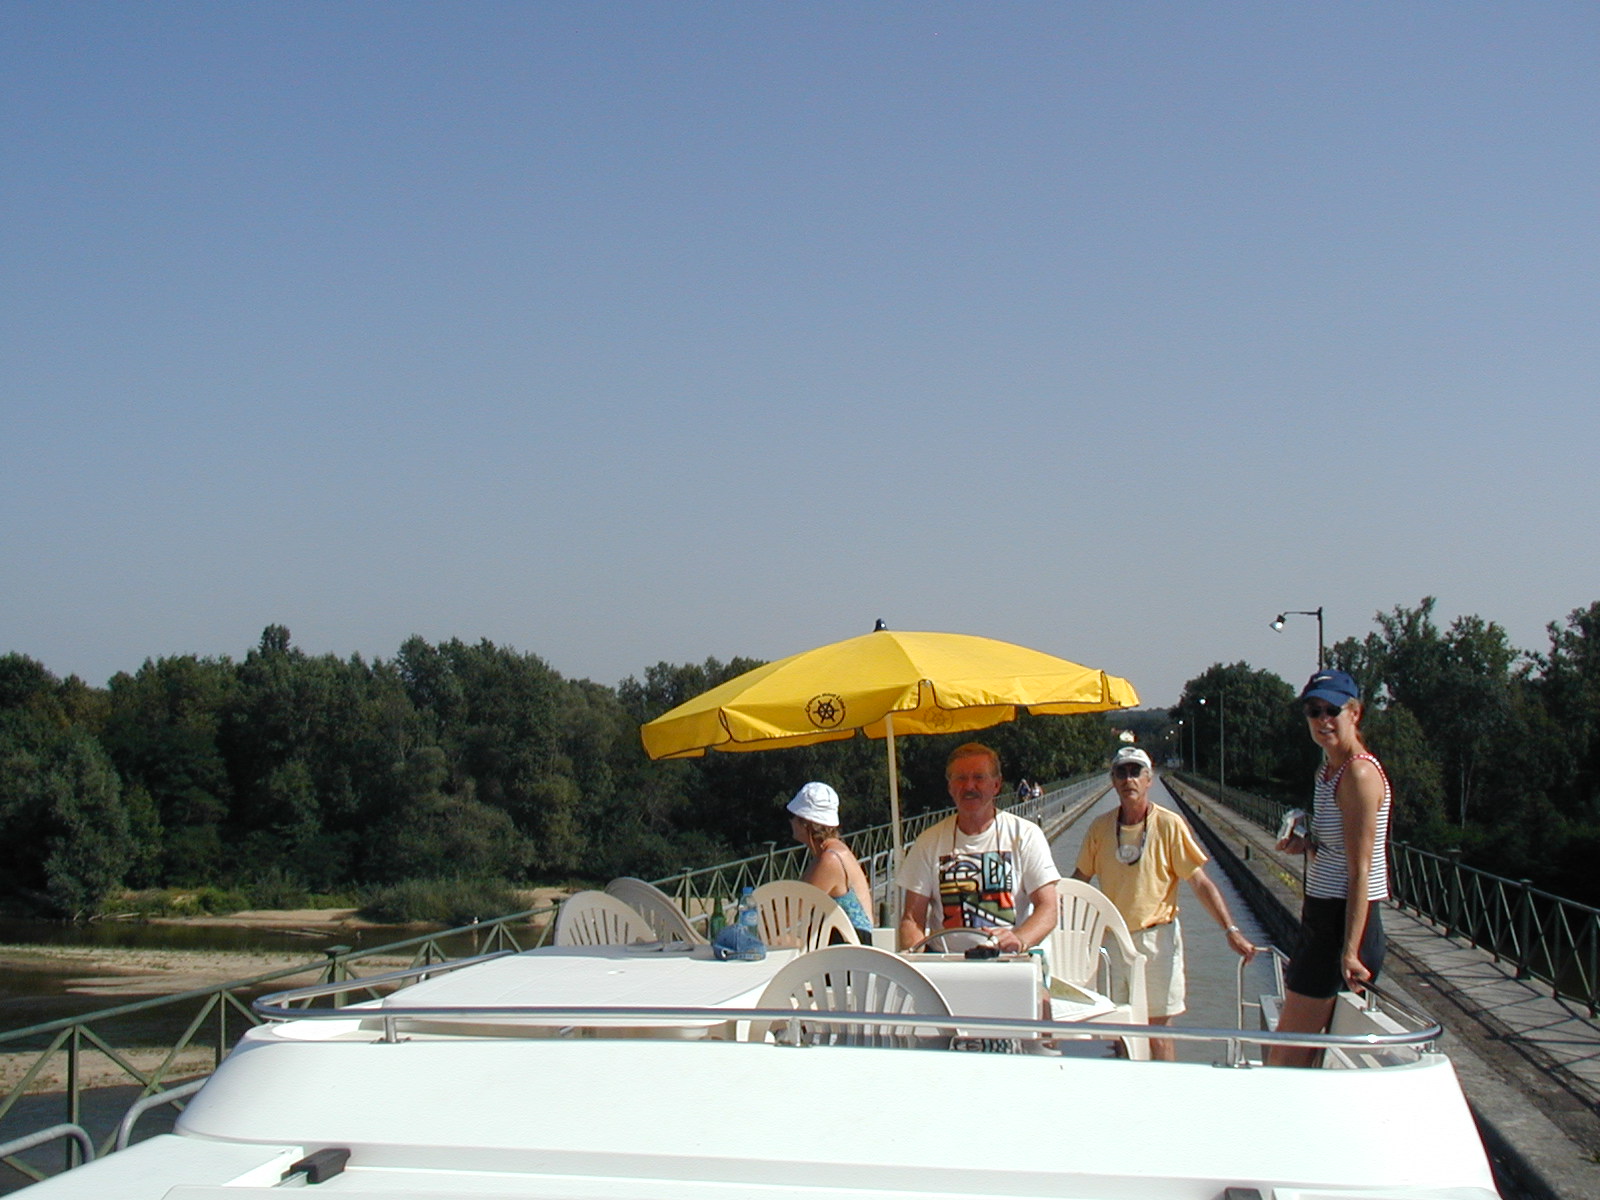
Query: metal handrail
(159, 1100)
(275, 1007)
(601, 1017)
(44, 1137)
(281, 1007)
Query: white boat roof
(669, 1120)
(478, 1101)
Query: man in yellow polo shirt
(1140, 852)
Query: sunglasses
(1318, 711)
(1127, 771)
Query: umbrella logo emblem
(826, 710)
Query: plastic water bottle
(749, 916)
(742, 939)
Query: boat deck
(488, 1081)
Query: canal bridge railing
(1543, 936)
(202, 1024)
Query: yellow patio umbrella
(882, 683)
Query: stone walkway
(1529, 1063)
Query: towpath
(1529, 1063)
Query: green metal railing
(211, 1019)
(1543, 936)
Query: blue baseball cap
(1333, 686)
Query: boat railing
(75, 1135)
(175, 1095)
(1372, 1048)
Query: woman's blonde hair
(817, 834)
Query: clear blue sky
(621, 333)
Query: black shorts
(1317, 967)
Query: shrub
(444, 901)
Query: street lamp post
(1277, 623)
(1222, 742)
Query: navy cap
(1333, 686)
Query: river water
(34, 988)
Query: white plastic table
(600, 976)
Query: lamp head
(1277, 622)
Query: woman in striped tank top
(1341, 930)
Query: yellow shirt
(1145, 892)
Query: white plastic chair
(596, 919)
(860, 979)
(657, 908)
(1088, 927)
(802, 915)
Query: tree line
(1492, 751)
(284, 774)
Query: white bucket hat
(816, 802)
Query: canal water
(1212, 968)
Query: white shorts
(1162, 947)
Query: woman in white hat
(814, 821)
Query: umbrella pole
(894, 793)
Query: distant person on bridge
(1341, 942)
(988, 870)
(1140, 851)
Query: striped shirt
(1329, 876)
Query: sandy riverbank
(120, 974)
(329, 920)
(117, 975)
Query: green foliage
(1395, 736)
(183, 902)
(66, 839)
(1245, 724)
(451, 834)
(268, 780)
(439, 901)
(89, 847)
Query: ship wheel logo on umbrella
(826, 710)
